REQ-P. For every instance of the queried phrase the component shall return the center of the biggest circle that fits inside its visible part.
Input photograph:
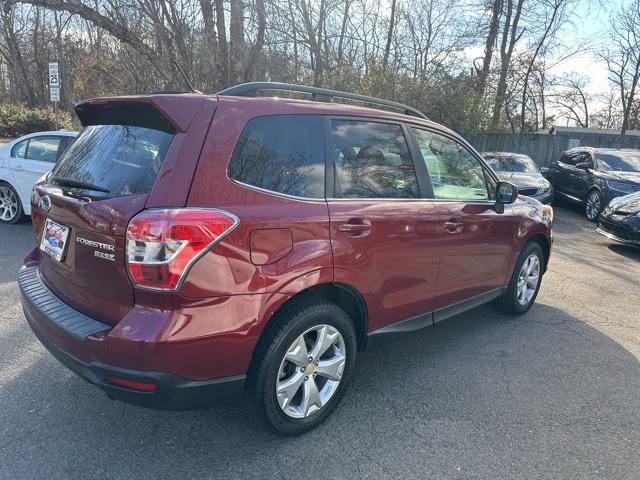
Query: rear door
(477, 247)
(386, 239)
(124, 150)
(563, 178)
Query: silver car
(523, 172)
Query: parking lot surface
(551, 394)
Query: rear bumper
(70, 335)
(171, 393)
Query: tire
(593, 205)
(271, 371)
(511, 300)
(10, 205)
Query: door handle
(452, 226)
(18, 168)
(355, 227)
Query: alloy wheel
(310, 371)
(592, 207)
(528, 279)
(8, 204)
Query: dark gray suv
(595, 176)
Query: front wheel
(301, 367)
(525, 282)
(593, 205)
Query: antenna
(191, 89)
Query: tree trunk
(387, 47)
(222, 42)
(533, 60)
(255, 65)
(206, 7)
(494, 25)
(236, 37)
(509, 39)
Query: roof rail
(317, 95)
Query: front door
(478, 241)
(386, 240)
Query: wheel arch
(345, 296)
(544, 244)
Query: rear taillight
(163, 244)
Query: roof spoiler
(178, 110)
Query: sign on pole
(54, 88)
(54, 82)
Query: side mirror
(583, 166)
(506, 193)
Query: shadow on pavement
(626, 251)
(479, 395)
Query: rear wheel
(593, 205)
(301, 367)
(10, 204)
(525, 282)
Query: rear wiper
(70, 182)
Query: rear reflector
(121, 382)
(162, 245)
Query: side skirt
(399, 329)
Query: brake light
(163, 244)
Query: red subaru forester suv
(193, 247)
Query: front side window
(454, 172)
(19, 150)
(44, 149)
(283, 154)
(371, 160)
(584, 158)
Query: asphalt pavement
(552, 394)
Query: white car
(22, 162)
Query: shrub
(17, 120)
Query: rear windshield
(123, 159)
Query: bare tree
(572, 99)
(623, 60)
(511, 34)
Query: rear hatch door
(129, 149)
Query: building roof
(599, 131)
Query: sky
(591, 24)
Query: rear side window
(569, 159)
(283, 154)
(19, 150)
(123, 158)
(371, 160)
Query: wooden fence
(545, 148)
